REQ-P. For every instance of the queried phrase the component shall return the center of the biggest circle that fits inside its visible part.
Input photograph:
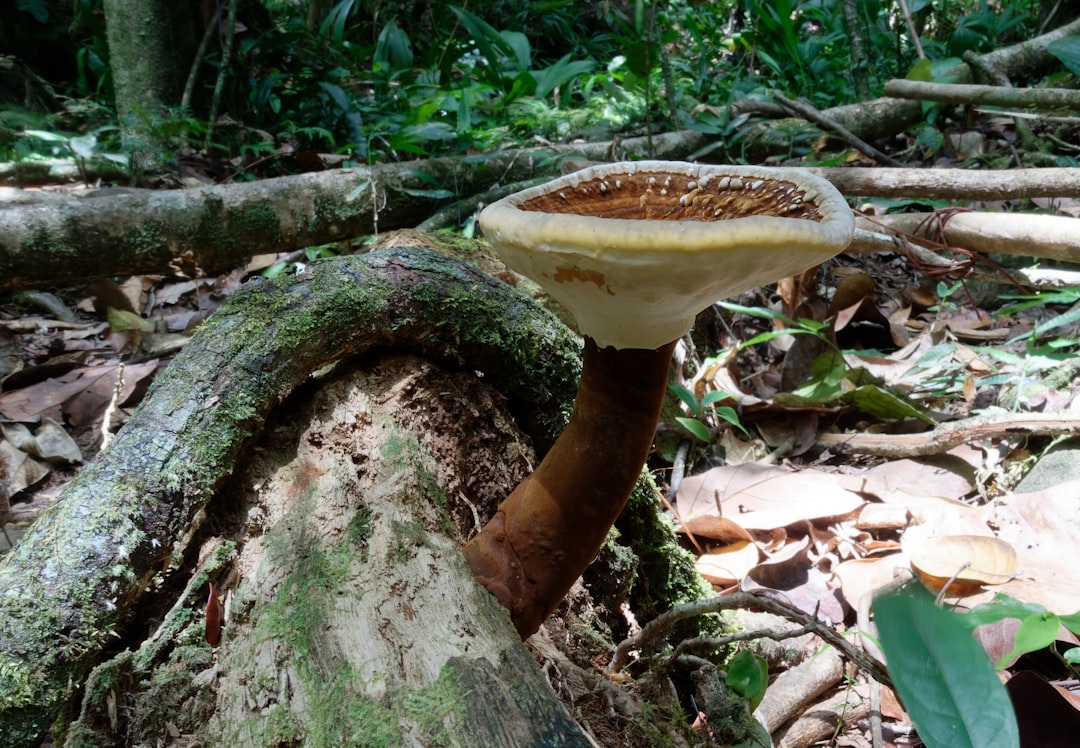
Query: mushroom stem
(550, 528)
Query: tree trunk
(216, 228)
(150, 46)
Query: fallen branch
(929, 259)
(969, 94)
(954, 184)
(885, 116)
(651, 634)
(952, 434)
(826, 718)
(811, 114)
(77, 573)
(216, 228)
(1023, 234)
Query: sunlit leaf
(1035, 633)
(695, 427)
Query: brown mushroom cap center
(667, 196)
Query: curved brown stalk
(550, 528)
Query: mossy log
(215, 228)
(67, 588)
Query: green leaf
(943, 676)
(728, 414)
(748, 676)
(714, 397)
(1072, 656)
(84, 146)
(120, 319)
(880, 403)
(683, 393)
(921, 71)
(562, 72)
(1035, 633)
(695, 427)
(393, 48)
(45, 135)
(827, 372)
(1068, 51)
(1000, 608)
(1071, 622)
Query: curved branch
(68, 585)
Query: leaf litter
(829, 532)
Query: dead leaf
(860, 579)
(727, 565)
(803, 585)
(764, 497)
(52, 443)
(1043, 527)
(964, 562)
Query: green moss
(402, 451)
(666, 575)
(310, 585)
(359, 529)
(17, 684)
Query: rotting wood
(77, 573)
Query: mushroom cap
(635, 250)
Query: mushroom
(633, 251)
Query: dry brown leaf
(1043, 526)
(720, 529)
(912, 481)
(803, 585)
(964, 562)
(764, 497)
(861, 578)
(728, 564)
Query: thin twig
(653, 632)
(196, 63)
(911, 29)
(814, 115)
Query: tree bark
(336, 542)
(354, 619)
(965, 95)
(69, 585)
(150, 46)
(218, 227)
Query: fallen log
(216, 228)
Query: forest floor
(886, 426)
